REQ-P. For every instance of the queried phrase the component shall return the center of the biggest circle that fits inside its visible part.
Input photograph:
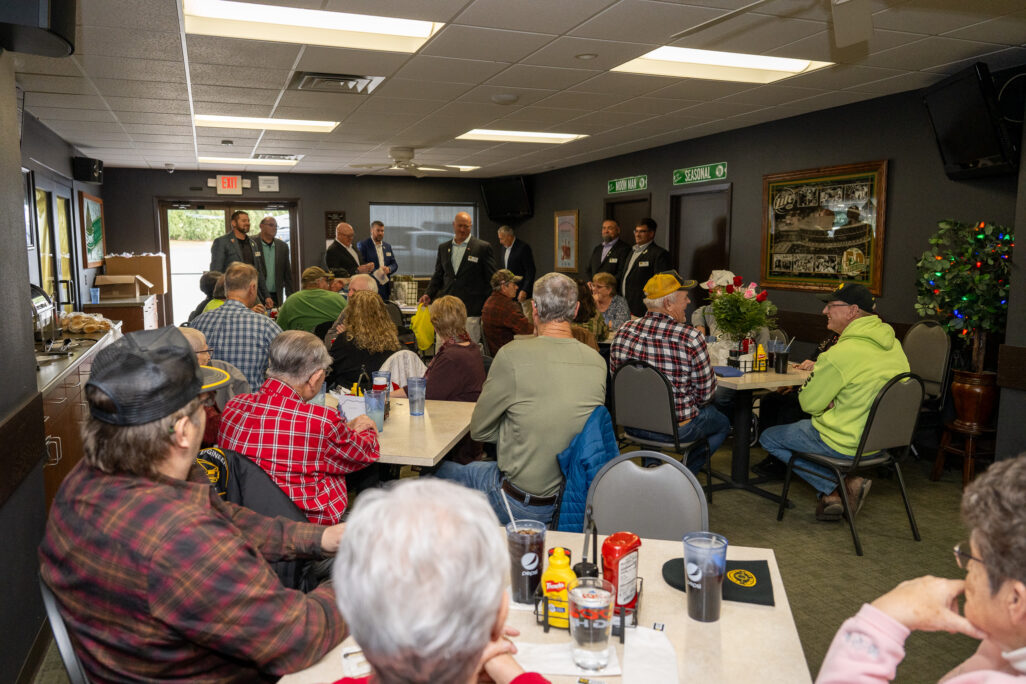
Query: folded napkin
(648, 656)
(727, 371)
(746, 581)
(556, 659)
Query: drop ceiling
(127, 94)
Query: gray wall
(22, 516)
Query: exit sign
(699, 174)
(631, 184)
(229, 185)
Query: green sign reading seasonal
(631, 184)
(698, 174)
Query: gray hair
(421, 573)
(659, 303)
(363, 283)
(295, 355)
(555, 298)
(505, 230)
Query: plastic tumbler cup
(591, 617)
(416, 390)
(94, 295)
(780, 362)
(382, 380)
(526, 558)
(705, 563)
(374, 404)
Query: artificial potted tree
(963, 284)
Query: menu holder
(622, 618)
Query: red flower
(738, 280)
(761, 297)
(730, 289)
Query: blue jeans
(485, 476)
(782, 440)
(709, 423)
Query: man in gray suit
(239, 246)
(277, 267)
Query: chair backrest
(665, 502)
(403, 365)
(928, 348)
(893, 416)
(76, 673)
(778, 335)
(643, 399)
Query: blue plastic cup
(705, 563)
(374, 404)
(94, 295)
(416, 390)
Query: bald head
(197, 340)
(344, 233)
(461, 226)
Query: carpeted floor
(825, 581)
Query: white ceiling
(126, 94)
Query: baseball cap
(503, 276)
(150, 374)
(314, 273)
(851, 293)
(718, 278)
(662, 284)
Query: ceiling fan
(402, 160)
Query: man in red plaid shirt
(662, 339)
(501, 315)
(306, 449)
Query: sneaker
(858, 489)
(770, 467)
(829, 508)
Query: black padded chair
(643, 400)
(891, 424)
(76, 673)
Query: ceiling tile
(643, 21)
(524, 76)
(584, 101)
(345, 61)
(388, 105)
(45, 114)
(142, 89)
(698, 89)
(335, 112)
(912, 80)
(206, 93)
(928, 53)
(542, 16)
(719, 109)
(428, 68)
(54, 84)
(233, 51)
(828, 100)
(421, 90)
(563, 51)
(133, 69)
(841, 76)
(649, 105)
(623, 84)
(820, 46)
(1007, 30)
(154, 118)
(541, 115)
(332, 104)
(768, 95)
(226, 108)
(484, 44)
(525, 96)
(751, 33)
(159, 16)
(108, 41)
(55, 66)
(436, 10)
(65, 101)
(240, 76)
(138, 128)
(940, 16)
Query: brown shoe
(858, 488)
(829, 508)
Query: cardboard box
(152, 267)
(122, 286)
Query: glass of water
(591, 618)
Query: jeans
(485, 476)
(782, 440)
(709, 423)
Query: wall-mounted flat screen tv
(506, 199)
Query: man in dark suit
(374, 250)
(463, 268)
(342, 254)
(277, 266)
(612, 255)
(644, 261)
(239, 246)
(516, 256)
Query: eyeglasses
(205, 351)
(962, 557)
(641, 232)
(833, 304)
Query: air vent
(351, 84)
(280, 157)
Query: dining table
(748, 643)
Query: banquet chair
(928, 348)
(643, 400)
(891, 424)
(665, 502)
(76, 673)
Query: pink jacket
(869, 646)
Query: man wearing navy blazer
(374, 250)
(612, 255)
(645, 259)
(463, 268)
(516, 256)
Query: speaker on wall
(38, 27)
(87, 169)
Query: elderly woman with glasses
(869, 646)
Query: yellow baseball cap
(667, 282)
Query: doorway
(58, 269)
(627, 211)
(700, 232)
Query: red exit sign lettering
(229, 185)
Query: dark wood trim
(23, 439)
(1011, 368)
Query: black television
(506, 199)
(971, 134)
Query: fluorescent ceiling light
(462, 168)
(718, 66)
(246, 161)
(262, 124)
(304, 26)
(519, 136)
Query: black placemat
(746, 581)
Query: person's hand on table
(497, 662)
(331, 537)
(400, 393)
(806, 365)
(361, 423)
(928, 604)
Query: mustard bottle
(760, 359)
(555, 583)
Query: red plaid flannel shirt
(676, 349)
(501, 319)
(306, 449)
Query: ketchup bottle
(620, 567)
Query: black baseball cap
(149, 375)
(852, 293)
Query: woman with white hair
(424, 566)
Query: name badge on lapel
(472, 259)
(388, 254)
(642, 264)
(613, 260)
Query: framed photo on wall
(821, 226)
(90, 213)
(566, 240)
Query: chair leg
(783, 493)
(842, 489)
(969, 463)
(908, 504)
(938, 464)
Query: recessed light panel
(520, 136)
(718, 66)
(262, 124)
(246, 161)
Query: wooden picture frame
(565, 240)
(822, 226)
(94, 237)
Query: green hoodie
(846, 379)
